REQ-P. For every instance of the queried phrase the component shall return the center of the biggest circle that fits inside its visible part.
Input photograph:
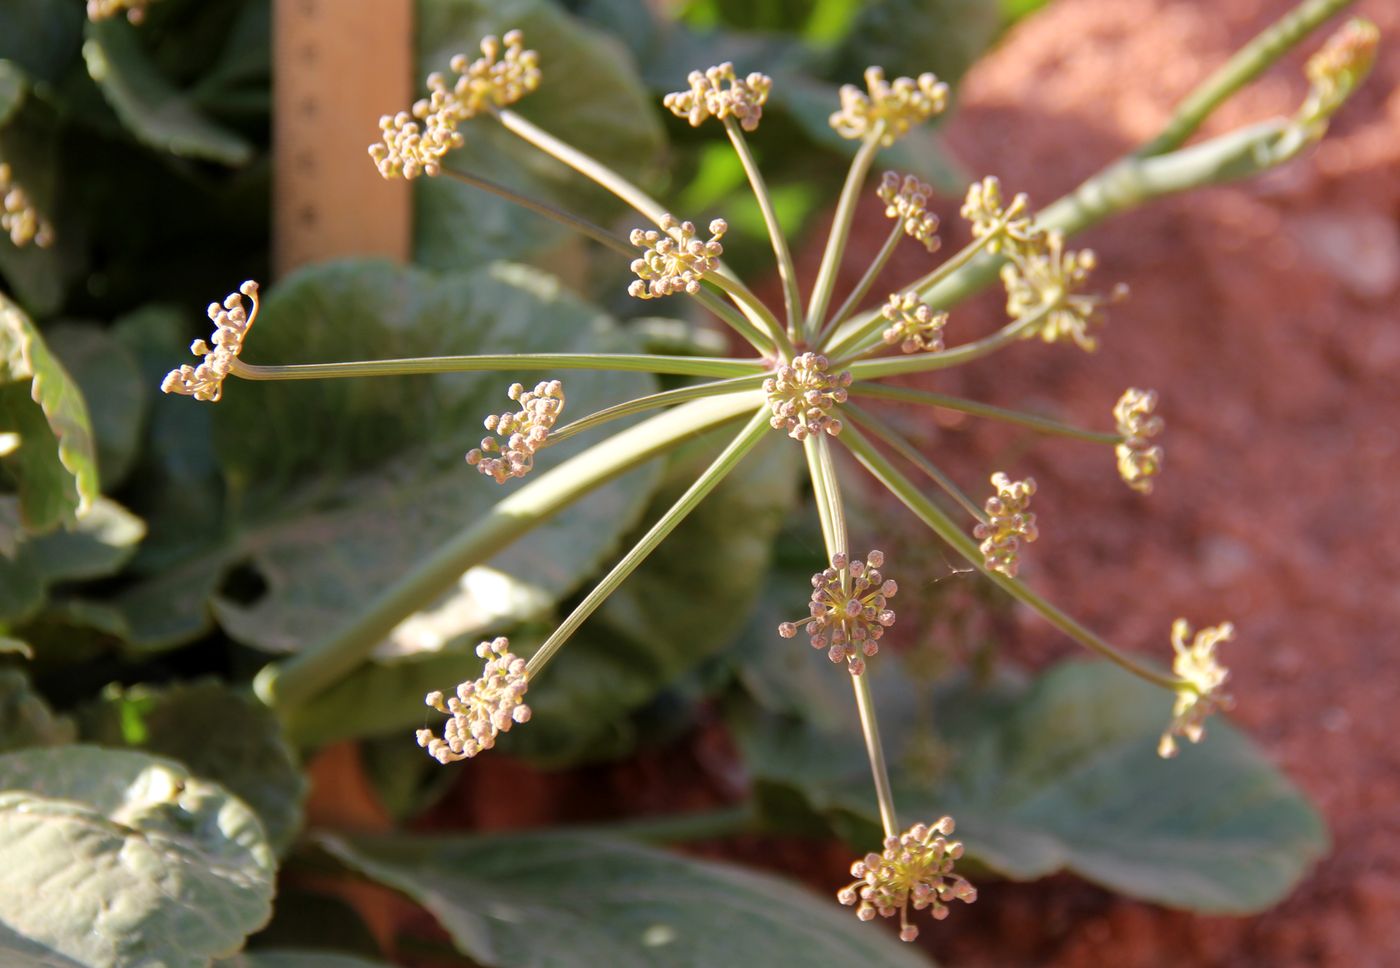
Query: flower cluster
(675, 260)
(890, 108)
(709, 97)
(135, 10)
(1009, 522)
(1047, 278)
(413, 143)
(1009, 228)
(849, 610)
(1139, 461)
(482, 709)
(19, 219)
(231, 324)
(913, 324)
(915, 870)
(1336, 69)
(1195, 663)
(907, 199)
(801, 395)
(524, 432)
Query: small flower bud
(1201, 694)
(720, 93)
(915, 327)
(1009, 522)
(232, 321)
(915, 870)
(1138, 460)
(907, 200)
(522, 433)
(482, 708)
(674, 260)
(1047, 279)
(802, 394)
(891, 108)
(19, 219)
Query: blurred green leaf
(106, 373)
(909, 37)
(114, 857)
(26, 719)
(220, 734)
(13, 86)
(40, 36)
(296, 959)
(578, 900)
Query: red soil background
(1265, 314)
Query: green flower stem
(1044, 425)
(863, 287)
(841, 229)
(739, 448)
(786, 271)
(518, 362)
(1248, 63)
(909, 452)
(736, 321)
(939, 522)
(827, 489)
(751, 307)
(958, 355)
(654, 401)
(322, 663)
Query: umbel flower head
(135, 10)
(914, 326)
(719, 93)
(413, 143)
(1048, 275)
(1009, 228)
(897, 106)
(1195, 663)
(19, 219)
(1009, 522)
(907, 199)
(802, 394)
(1139, 461)
(914, 870)
(231, 324)
(482, 709)
(849, 610)
(1338, 67)
(674, 260)
(524, 432)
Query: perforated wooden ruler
(338, 66)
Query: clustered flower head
(907, 200)
(1201, 696)
(719, 93)
(414, 143)
(898, 106)
(674, 260)
(1007, 228)
(914, 324)
(1009, 522)
(19, 219)
(1050, 276)
(135, 10)
(849, 610)
(482, 709)
(915, 870)
(1139, 461)
(1336, 69)
(524, 431)
(231, 324)
(802, 394)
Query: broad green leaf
(151, 108)
(1060, 775)
(25, 718)
(617, 122)
(296, 959)
(114, 857)
(118, 398)
(562, 900)
(220, 734)
(55, 463)
(40, 36)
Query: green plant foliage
(296, 959)
(13, 86)
(25, 718)
(570, 900)
(114, 857)
(105, 370)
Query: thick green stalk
(322, 663)
(943, 526)
(909, 452)
(786, 271)
(841, 230)
(654, 401)
(1044, 425)
(863, 287)
(728, 459)
(517, 362)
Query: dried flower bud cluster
(135, 10)
(849, 610)
(231, 324)
(414, 143)
(893, 108)
(802, 394)
(675, 260)
(482, 709)
(1009, 522)
(915, 870)
(1049, 277)
(720, 93)
(1009, 228)
(907, 199)
(914, 325)
(1336, 69)
(1139, 460)
(1196, 664)
(523, 432)
(19, 219)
